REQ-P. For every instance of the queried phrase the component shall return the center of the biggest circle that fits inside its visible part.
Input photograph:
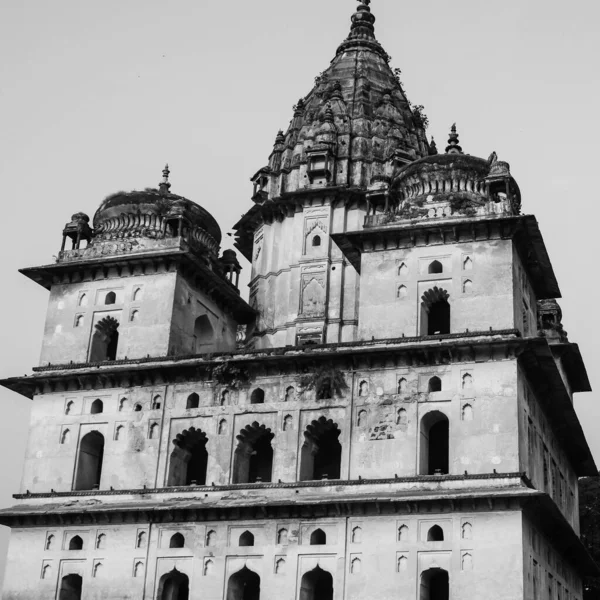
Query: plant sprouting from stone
(327, 381)
(230, 375)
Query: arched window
(402, 564)
(141, 539)
(435, 385)
(70, 587)
(189, 459)
(257, 397)
(355, 566)
(101, 541)
(282, 537)
(467, 565)
(65, 438)
(467, 381)
(403, 270)
(316, 241)
(49, 542)
(288, 423)
(208, 567)
(435, 585)
(290, 394)
(253, 458)
(69, 407)
(434, 444)
(243, 585)
(402, 291)
(177, 541)
(225, 397)
(122, 404)
(321, 453)
(97, 407)
(436, 267)
(83, 300)
(105, 340)
(211, 538)
(467, 531)
(137, 294)
(435, 312)
(402, 417)
(153, 431)
(75, 543)
(203, 334)
(174, 586)
(316, 585)
(318, 538)
(78, 320)
(135, 314)
(193, 401)
(468, 264)
(110, 298)
(467, 412)
(403, 533)
(362, 418)
(98, 567)
(280, 567)
(357, 535)
(156, 402)
(89, 462)
(363, 389)
(402, 386)
(435, 534)
(246, 539)
(223, 429)
(138, 570)
(46, 571)
(137, 407)
(467, 286)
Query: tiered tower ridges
(396, 420)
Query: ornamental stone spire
(164, 186)
(453, 146)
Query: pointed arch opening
(97, 407)
(110, 298)
(89, 461)
(189, 458)
(174, 586)
(282, 537)
(246, 539)
(321, 453)
(434, 385)
(435, 312)
(177, 541)
(70, 587)
(243, 585)
(253, 457)
(318, 538)
(436, 267)
(435, 429)
(258, 396)
(105, 340)
(203, 334)
(435, 585)
(435, 534)
(193, 401)
(76, 543)
(141, 539)
(316, 585)
(65, 437)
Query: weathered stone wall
(368, 557)
(478, 277)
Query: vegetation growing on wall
(327, 381)
(230, 375)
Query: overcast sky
(96, 96)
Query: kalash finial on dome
(164, 186)
(363, 20)
(453, 145)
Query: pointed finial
(164, 186)
(433, 148)
(453, 146)
(363, 20)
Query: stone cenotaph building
(389, 415)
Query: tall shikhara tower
(396, 422)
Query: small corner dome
(147, 213)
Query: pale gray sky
(96, 96)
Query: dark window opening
(243, 585)
(316, 585)
(89, 463)
(435, 585)
(76, 543)
(246, 539)
(438, 321)
(193, 401)
(435, 385)
(435, 534)
(318, 538)
(257, 397)
(189, 459)
(321, 453)
(70, 587)
(436, 267)
(177, 541)
(105, 340)
(253, 462)
(137, 408)
(203, 334)
(111, 298)
(97, 407)
(174, 586)
(316, 241)
(434, 444)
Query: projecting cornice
(523, 230)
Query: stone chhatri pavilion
(389, 416)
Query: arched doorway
(89, 461)
(435, 429)
(253, 458)
(243, 585)
(435, 312)
(321, 453)
(174, 586)
(204, 334)
(70, 587)
(316, 585)
(435, 585)
(105, 340)
(189, 459)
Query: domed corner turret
(450, 185)
(550, 321)
(77, 230)
(231, 267)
